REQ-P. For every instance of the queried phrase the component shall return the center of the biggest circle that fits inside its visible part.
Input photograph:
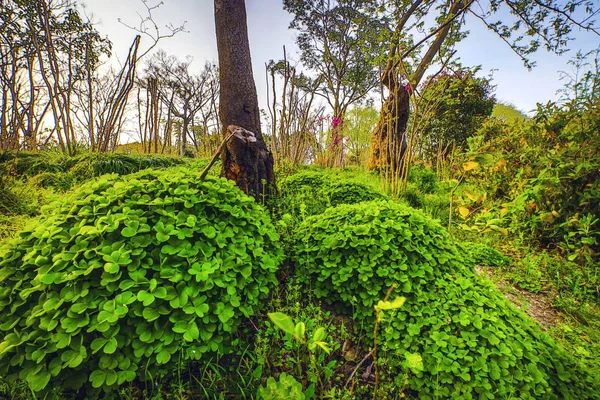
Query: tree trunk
(388, 141)
(246, 161)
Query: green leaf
(97, 378)
(283, 321)
(163, 357)
(111, 346)
(111, 377)
(414, 362)
(192, 332)
(322, 345)
(180, 327)
(320, 334)
(39, 381)
(226, 314)
(300, 330)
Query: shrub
(129, 274)
(472, 341)
(61, 181)
(436, 205)
(413, 195)
(545, 178)
(286, 388)
(350, 193)
(310, 193)
(483, 254)
(302, 194)
(425, 179)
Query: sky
(268, 32)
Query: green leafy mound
(351, 193)
(129, 275)
(298, 183)
(472, 342)
(425, 179)
(311, 193)
(482, 254)
(301, 194)
(61, 181)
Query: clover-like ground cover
(130, 274)
(472, 342)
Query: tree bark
(388, 141)
(246, 161)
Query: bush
(310, 193)
(425, 179)
(301, 194)
(482, 254)
(545, 178)
(130, 274)
(350, 193)
(61, 181)
(472, 341)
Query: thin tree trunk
(388, 141)
(246, 158)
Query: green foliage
(425, 179)
(300, 194)
(482, 254)
(358, 126)
(540, 271)
(309, 349)
(472, 342)
(310, 193)
(457, 104)
(507, 112)
(298, 331)
(350, 193)
(544, 182)
(340, 41)
(582, 86)
(285, 388)
(128, 274)
(60, 181)
(59, 170)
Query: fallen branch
(215, 156)
(369, 354)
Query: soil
(537, 305)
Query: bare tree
(183, 93)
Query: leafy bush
(483, 254)
(61, 181)
(472, 341)
(425, 179)
(545, 179)
(310, 193)
(285, 388)
(350, 193)
(129, 274)
(301, 194)
(436, 205)
(413, 195)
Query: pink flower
(336, 121)
(407, 87)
